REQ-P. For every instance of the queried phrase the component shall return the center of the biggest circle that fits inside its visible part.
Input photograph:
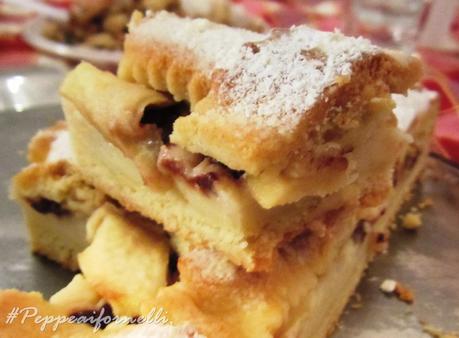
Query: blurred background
(40, 40)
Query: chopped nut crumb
(411, 220)
(390, 287)
(404, 294)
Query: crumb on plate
(356, 301)
(392, 287)
(425, 203)
(436, 332)
(412, 220)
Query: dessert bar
(55, 199)
(315, 131)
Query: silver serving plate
(36, 85)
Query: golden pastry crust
(120, 107)
(237, 123)
(117, 113)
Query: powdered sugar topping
(408, 107)
(275, 81)
(209, 43)
(270, 79)
(60, 148)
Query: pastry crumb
(388, 286)
(356, 301)
(438, 333)
(392, 287)
(404, 294)
(425, 203)
(412, 220)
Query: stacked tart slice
(272, 131)
(273, 162)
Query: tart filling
(202, 201)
